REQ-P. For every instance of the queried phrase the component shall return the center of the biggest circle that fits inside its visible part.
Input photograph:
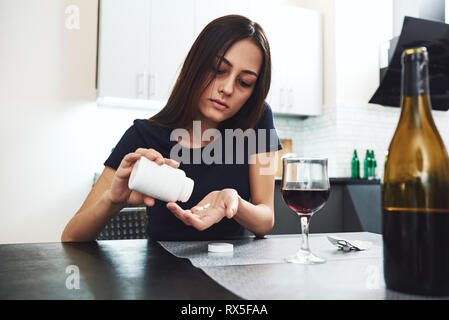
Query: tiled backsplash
(344, 128)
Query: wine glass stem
(305, 233)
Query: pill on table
(220, 247)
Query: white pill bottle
(160, 181)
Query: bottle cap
(187, 190)
(415, 54)
(220, 247)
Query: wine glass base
(305, 257)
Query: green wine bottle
(355, 166)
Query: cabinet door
(302, 47)
(123, 48)
(295, 41)
(208, 10)
(172, 35)
(261, 11)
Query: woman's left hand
(210, 210)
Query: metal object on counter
(345, 245)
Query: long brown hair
(214, 41)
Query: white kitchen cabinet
(172, 33)
(295, 37)
(123, 48)
(207, 10)
(142, 47)
(144, 43)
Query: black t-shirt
(207, 176)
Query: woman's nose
(227, 86)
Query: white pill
(199, 208)
(220, 247)
(206, 205)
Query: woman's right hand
(119, 193)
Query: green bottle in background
(374, 165)
(366, 165)
(355, 166)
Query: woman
(222, 86)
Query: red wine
(305, 201)
(414, 261)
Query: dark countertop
(110, 269)
(354, 181)
(142, 269)
(343, 180)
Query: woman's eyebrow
(230, 64)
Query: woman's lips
(219, 105)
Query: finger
(173, 206)
(127, 164)
(178, 212)
(229, 214)
(135, 198)
(171, 163)
(235, 206)
(231, 208)
(152, 155)
(149, 201)
(228, 209)
(129, 160)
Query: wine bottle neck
(415, 102)
(415, 76)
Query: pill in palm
(199, 208)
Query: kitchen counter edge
(343, 180)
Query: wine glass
(305, 190)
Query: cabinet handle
(281, 98)
(140, 84)
(290, 97)
(152, 84)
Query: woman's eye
(244, 84)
